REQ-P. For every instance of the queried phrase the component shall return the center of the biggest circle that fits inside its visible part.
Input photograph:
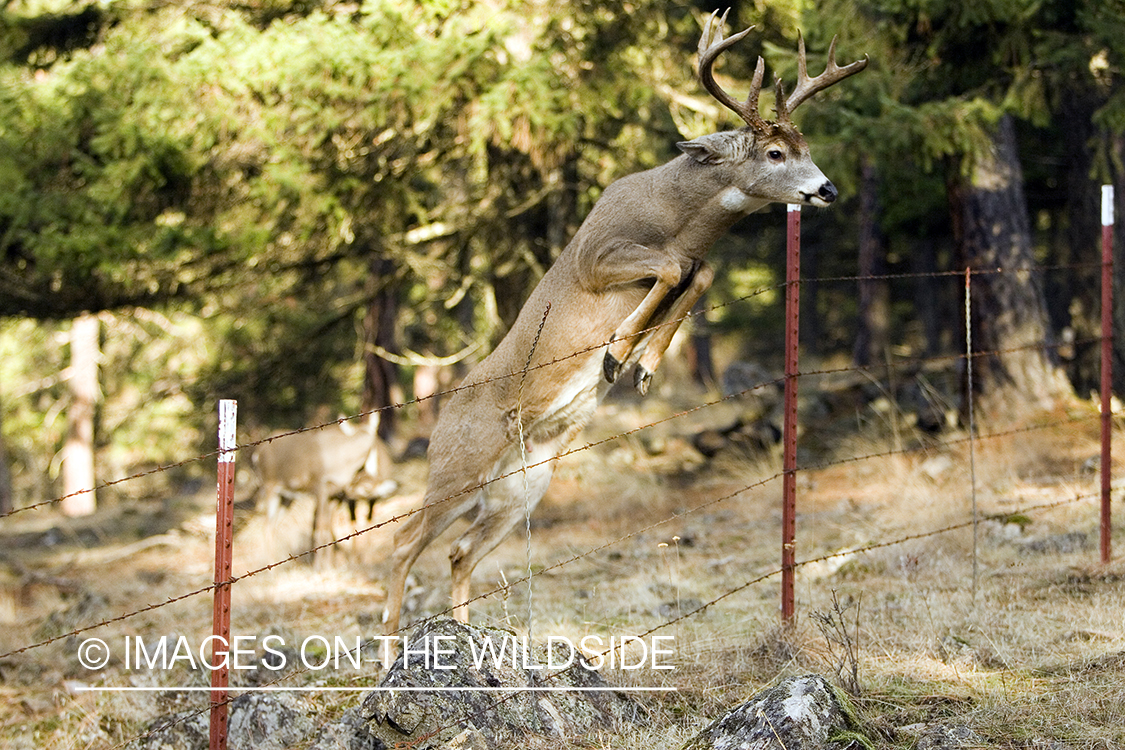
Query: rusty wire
(313, 550)
(506, 587)
(523, 372)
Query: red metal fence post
(224, 523)
(1107, 363)
(789, 465)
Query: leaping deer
(636, 262)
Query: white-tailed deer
(323, 462)
(616, 294)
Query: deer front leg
(624, 339)
(322, 530)
(658, 344)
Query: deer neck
(735, 201)
(709, 202)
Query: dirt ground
(1013, 627)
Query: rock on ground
(799, 713)
(464, 716)
(262, 721)
(944, 737)
(449, 719)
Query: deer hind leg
(505, 502)
(413, 536)
(700, 282)
(410, 539)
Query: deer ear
(707, 149)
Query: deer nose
(827, 192)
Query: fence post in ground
(1107, 363)
(224, 524)
(969, 407)
(789, 429)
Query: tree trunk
(78, 452)
(6, 504)
(1074, 292)
(379, 329)
(1014, 372)
(873, 325)
(927, 297)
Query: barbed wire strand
(465, 386)
(523, 462)
(742, 587)
(503, 588)
(899, 363)
(441, 394)
(863, 549)
(561, 563)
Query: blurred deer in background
(323, 461)
(616, 296)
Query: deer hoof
(611, 367)
(641, 379)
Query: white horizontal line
(480, 689)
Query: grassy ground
(1027, 650)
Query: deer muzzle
(823, 196)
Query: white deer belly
(578, 399)
(527, 473)
(571, 408)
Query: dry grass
(1035, 652)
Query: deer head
(773, 156)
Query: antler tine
(711, 45)
(807, 87)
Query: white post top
(1107, 205)
(796, 207)
(227, 411)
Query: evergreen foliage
(244, 165)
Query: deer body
(637, 262)
(322, 462)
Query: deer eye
(775, 154)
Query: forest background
(322, 207)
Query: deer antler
(807, 87)
(711, 45)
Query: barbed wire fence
(880, 373)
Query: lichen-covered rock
(183, 730)
(267, 721)
(948, 737)
(799, 713)
(348, 732)
(257, 720)
(490, 701)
